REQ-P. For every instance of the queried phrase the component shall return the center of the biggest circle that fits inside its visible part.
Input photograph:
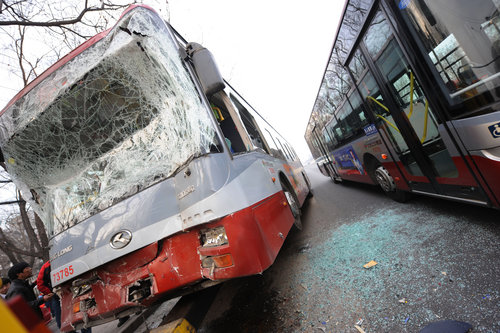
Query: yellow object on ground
(370, 264)
(178, 326)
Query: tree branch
(59, 23)
(44, 240)
(8, 247)
(27, 225)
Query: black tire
(386, 182)
(293, 203)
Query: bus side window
(292, 152)
(340, 127)
(358, 116)
(251, 126)
(329, 140)
(283, 149)
(237, 138)
(275, 151)
(227, 124)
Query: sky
(273, 53)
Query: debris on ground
(304, 248)
(360, 330)
(370, 264)
(449, 326)
(412, 258)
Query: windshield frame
(133, 30)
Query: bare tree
(61, 26)
(51, 14)
(22, 233)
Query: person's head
(21, 271)
(5, 285)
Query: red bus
(153, 176)
(410, 99)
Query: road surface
(435, 259)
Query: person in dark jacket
(19, 273)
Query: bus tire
(293, 203)
(386, 182)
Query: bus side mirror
(206, 68)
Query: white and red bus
(410, 99)
(153, 176)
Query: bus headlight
(225, 260)
(83, 286)
(213, 237)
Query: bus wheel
(386, 182)
(293, 203)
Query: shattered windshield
(118, 118)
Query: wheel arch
(371, 164)
(284, 180)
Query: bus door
(416, 135)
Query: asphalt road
(435, 259)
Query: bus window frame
(233, 97)
(285, 152)
(428, 91)
(364, 27)
(279, 154)
(446, 105)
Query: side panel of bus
(456, 56)
(426, 152)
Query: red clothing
(43, 280)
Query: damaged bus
(410, 99)
(153, 176)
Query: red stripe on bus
(464, 177)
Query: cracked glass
(117, 118)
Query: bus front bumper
(178, 265)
